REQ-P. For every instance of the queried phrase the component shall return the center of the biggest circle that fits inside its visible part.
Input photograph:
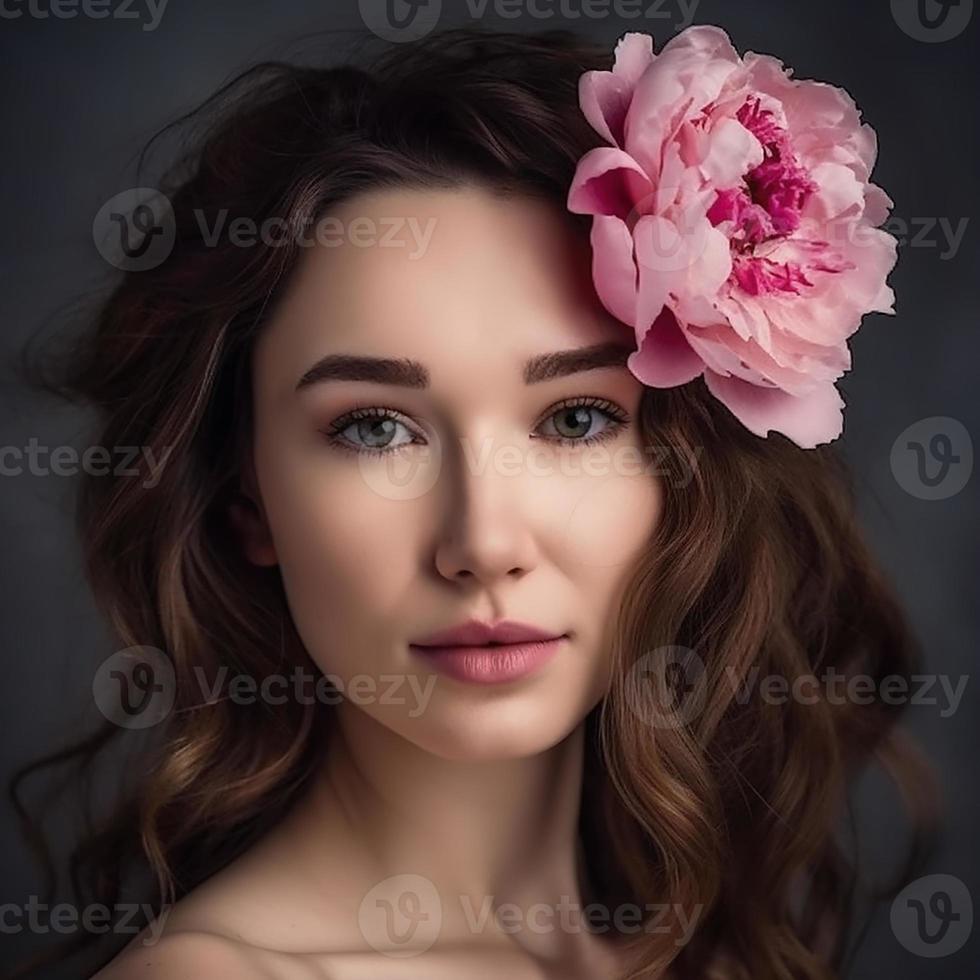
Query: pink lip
(490, 664)
(474, 633)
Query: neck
(484, 833)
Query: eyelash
(613, 412)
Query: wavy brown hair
(734, 811)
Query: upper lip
(476, 633)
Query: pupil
(577, 417)
(371, 429)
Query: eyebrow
(407, 373)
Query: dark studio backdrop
(80, 95)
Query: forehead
(455, 278)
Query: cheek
(345, 554)
(608, 523)
(606, 519)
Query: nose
(486, 535)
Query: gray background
(81, 95)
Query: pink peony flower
(735, 226)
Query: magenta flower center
(766, 207)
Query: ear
(248, 519)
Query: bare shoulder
(223, 929)
(258, 918)
(179, 955)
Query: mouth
(492, 662)
(476, 633)
(492, 645)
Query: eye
(575, 417)
(370, 431)
(373, 431)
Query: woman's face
(484, 489)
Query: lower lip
(491, 665)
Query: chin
(493, 732)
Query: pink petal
(661, 257)
(843, 299)
(839, 193)
(732, 150)
(809, 420)
(681, 267)
(613, 267)
(679, 83)
(604, 100)
(711, 260)
(866, 146)
(877, 204)
(884, 302)
(704, 39)
(664, 358)
(605, 95)
(795, 375)
(711, 345)
(633, 54)
(607, 181)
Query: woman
(540, 516)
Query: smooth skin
(475, 794)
